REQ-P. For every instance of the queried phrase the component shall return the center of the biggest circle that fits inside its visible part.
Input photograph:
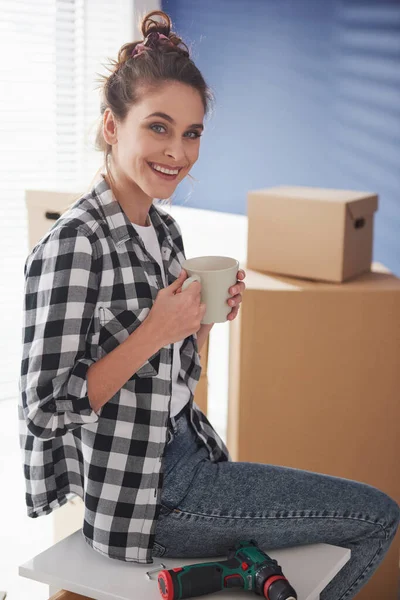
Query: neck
(134, 203)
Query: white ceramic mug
(216, 275)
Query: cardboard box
(315, 233)
(68, 518)
(204, 357)
(44, 207)
(201, 393)
(314, 383)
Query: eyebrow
(171, 120)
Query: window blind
(52, 51)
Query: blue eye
(151, 126)
(195, 133)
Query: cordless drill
(247, 567)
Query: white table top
(73, 565)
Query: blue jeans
(207, 507)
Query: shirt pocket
(116, 325)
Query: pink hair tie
(150, 42)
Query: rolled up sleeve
(61, 290)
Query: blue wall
(307, 93)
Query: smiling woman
(153, 109)
(148, 158)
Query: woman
(111, 359)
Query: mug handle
(190, 280)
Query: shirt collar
(120, 226)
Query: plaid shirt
(89, 283)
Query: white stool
(72, 565)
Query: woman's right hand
(176, 314)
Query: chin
(163, 196)
(161, 193)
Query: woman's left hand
(236, 292)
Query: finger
(233, 290)
(237, 295)
(237, 288)
(178, 281)
(194, 288)
(233, 314)
(235, 300)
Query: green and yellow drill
(247, 568)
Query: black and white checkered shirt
(89, 283)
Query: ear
(109, 127)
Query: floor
(23, 537)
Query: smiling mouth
(166, 176)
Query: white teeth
(167, 171)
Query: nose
(175, 150)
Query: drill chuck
(279, 590)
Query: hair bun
(149, 25)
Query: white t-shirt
(180, 391)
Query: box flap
(368, 201)
(363, 207)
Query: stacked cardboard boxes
(314, 372)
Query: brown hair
(161, 61)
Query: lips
(171, 167)
(164, 176)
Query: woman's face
(170, 139)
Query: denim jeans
(207, 507)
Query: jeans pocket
(170, 435)
(158, 550)
(165, 510)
